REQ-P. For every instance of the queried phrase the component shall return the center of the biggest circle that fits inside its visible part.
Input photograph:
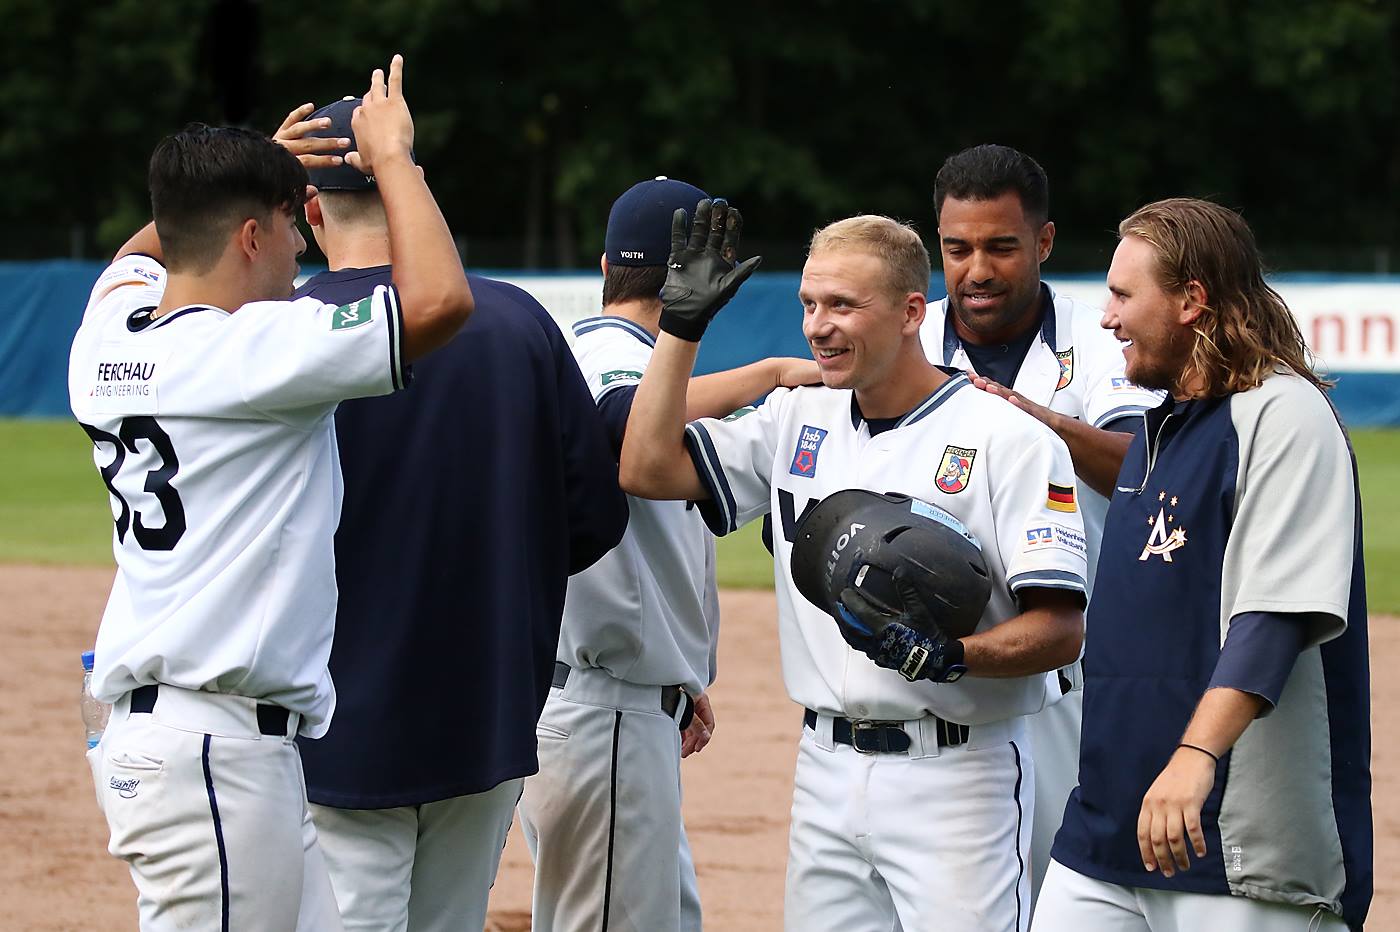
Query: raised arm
(654, 461)
(701, 279)
(143, 242)
(433, 290)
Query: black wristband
(1196, 747)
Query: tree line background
(532, 115)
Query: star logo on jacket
(1066, 361)
(809, 445)
(955, 471)
(1166, 535)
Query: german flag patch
(1060, 498)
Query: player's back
(648, 612)
(469, 498)
(211, 433)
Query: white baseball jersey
(1074, 367)
(648, 612)
(214, 436)
(1005, 475)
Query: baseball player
(912, 796)
(1048, 356)
(602, 818)
(413, 809)
(208, 396)
(1224, 778)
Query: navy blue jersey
(469, 499)
(1233, 509)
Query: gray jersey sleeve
(1290, 545)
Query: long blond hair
(1245, 330)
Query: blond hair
(897, 244)
(1245, 330)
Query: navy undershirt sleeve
(615, 407)
(1259, 651)
(1127, 424)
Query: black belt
(671, 696)
(272, 719)
(885, 737)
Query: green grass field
(53, 509)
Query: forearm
(722, 393)
(1097, 454)
(144, 241)
(428, 274)
(1220, 718)
(654, 461)
(1040, 639)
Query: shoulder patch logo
(955, 470)
(1066, 361)
(348, 316)
(804, 458)
(1161, 541)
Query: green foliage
(533, 115)
(53, 509)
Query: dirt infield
(55, 873)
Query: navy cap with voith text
(639, 224)
(342, 177)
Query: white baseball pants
(427, 868)
(932, 839)
(602, 818)
(1071, 902)
(211, 817)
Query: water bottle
(95, 713)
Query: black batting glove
(701, 275)
(898, 642)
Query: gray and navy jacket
(1240, 512)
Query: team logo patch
(1166, 535)
(804, 458)
(1066, 361)
(955, 470)
(619, 375)
(348, 316)
(1060, 498)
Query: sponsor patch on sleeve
(621, 375)
(1060, 498)
(349, 316)
(1058, 537)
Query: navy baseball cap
(639, 224)
(342, 177)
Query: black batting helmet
(857, 539)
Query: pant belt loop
(823, 733)
(924, 733)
